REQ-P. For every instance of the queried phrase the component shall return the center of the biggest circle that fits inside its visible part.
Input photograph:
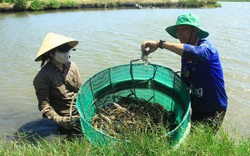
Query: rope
(71, 105)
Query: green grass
(200, 142)
(233, 0)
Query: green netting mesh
(153, 83)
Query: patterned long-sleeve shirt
(55, 88)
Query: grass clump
(201, 141)
(20, 5)
(69, 4)
(52, 4)
(37, 5)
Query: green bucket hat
(187, 19)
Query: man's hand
(150, 45)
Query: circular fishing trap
(147, 84)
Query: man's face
(183, 33)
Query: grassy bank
(36, 5)
(200, 142)
(234, 0)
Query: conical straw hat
(52, 41)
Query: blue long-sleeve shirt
(202, 71)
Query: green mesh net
(153, 83)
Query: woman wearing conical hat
(58, 81)
(201, 68)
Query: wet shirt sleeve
(203, 52)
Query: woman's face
(61, 57)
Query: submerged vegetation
(200, 142)
(36, 5)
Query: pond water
(112, 37)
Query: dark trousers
(212, 119)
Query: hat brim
(53, 41)
(172, 31)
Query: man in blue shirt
(201, 69)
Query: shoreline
(43, 5)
